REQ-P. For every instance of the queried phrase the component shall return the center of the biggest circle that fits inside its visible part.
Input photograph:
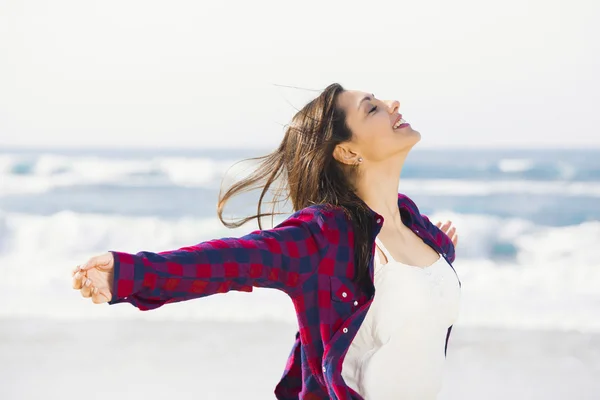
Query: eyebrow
(363, 99)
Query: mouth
(400, 123)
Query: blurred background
(119, 121)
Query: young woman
(370, 277)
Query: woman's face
(371, 121)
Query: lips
(400, 121)
(397, 119)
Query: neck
(377, 186)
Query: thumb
(103, 261)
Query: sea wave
(211, 176)
(39, 173)
(482, 236)
(22, 175)
(512, 165)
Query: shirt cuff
(128, 277)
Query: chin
(415, 136)
(409, 137)
(414, 132)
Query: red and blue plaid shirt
(309, 256)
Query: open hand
(449, 230)
(95, 278)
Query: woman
(370, 278)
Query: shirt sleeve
(281, 258)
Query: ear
(345, 155)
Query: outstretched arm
(282, 258)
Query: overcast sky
(122, 73)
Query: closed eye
(372, 109)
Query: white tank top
(398, 352)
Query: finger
(97, 298)
(75, 270)
(98, 261)
(438, 224)
(86, 290)
(455, 240)
(446, 226)
(76, 284)
(452, 231)
(78, 280)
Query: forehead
(350, 99)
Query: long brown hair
(308, 174)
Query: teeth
(400, 122)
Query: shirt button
(344, 294)
(345, 330)
(355, 302)
(324, 369)
(378, 220)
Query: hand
(95, 278)
(451, 232)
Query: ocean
(528, 223)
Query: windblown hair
(308, 174)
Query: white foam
(534, 296)
(50, 171)
(512, 165)
(455, 187)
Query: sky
(200, 74)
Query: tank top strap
(384, 250)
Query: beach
(137, 359)
(528, 326)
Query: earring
(359, 159)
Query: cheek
(380, 145)
(385, 135)
(377, 139)
(390, 142)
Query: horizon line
(272, 148)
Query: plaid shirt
(309, 256)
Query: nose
(393, 105)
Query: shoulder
(323, 213)
(436, 233)
(408, 204)
(411, 207)
(327, 220)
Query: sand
(136, 359)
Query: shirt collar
(406, 213)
